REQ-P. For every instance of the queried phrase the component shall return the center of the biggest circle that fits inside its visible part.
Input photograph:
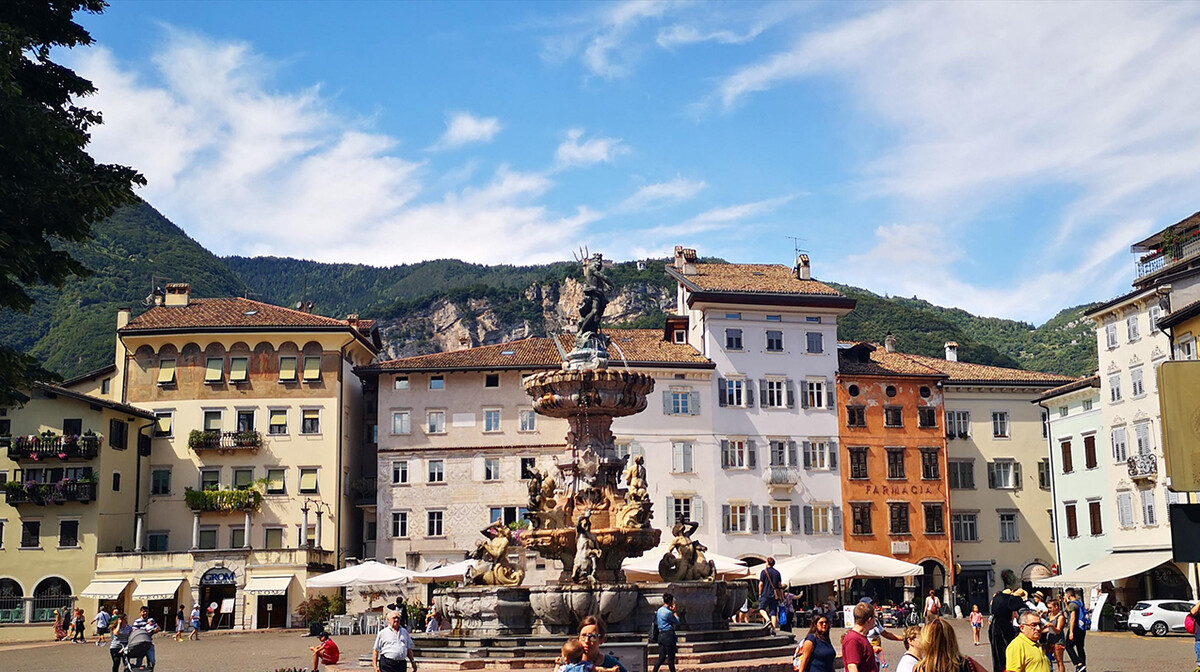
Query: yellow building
(71, 470)
(259, 433)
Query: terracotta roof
(881, 363)
(1179, 315)
(1073, 386)
(90, 375)
(638, 346)
(965, 372)
(97, 401)
(751, 278)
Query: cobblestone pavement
(264, 652)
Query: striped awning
(105, 589)
(156, 589)
(267, 585)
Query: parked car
(1158, 617)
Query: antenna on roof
(155, 289)
(796, 249)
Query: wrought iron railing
(216, 440)
(1142, 466)
(60, 492)
(49, 446)
(1167, 256)
(781, 476)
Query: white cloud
(607, 54)
(463, 128)
(679, 35)
(678, 189)
(572, 152)
(248, 169)
(716, 219)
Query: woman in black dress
(1005, 605)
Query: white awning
(105, 589)
(1109, 568)
(156, 589)
(267, 585)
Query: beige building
(257, 439)
(71, 471)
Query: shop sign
(219, 576)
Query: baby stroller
(138, 648)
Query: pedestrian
(119, 627)
(1039, 604)
(1024, 654)
(769, 594)
(593, 631)
(667, 621)
(858, 655)
(912, 649)
(324, 652)
(144, 622)
(195, 623)
(60, 626)
(180, 624)
(101, 619)
(1004, 605)
(1056, 623)
(815, 653)
(933, 606)
(78, 625)
(1195, 612)
(571, 659)
(1076, 630)
(976, 623)
(940, 652)
(393, 649)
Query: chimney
(352, 319)
(178, 294)
(803, 271)
(951, 351)
(116, 390)
(889, 342)
(685, 260)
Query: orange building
(894, 486)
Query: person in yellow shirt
(1024, 654)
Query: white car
(1158, 617)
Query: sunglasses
(592, 635)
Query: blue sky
(999, 157)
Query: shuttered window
(1089, 451)
(1067, 464)
(312, 368)
(310, 421)
(214, 367)
(287, 368)
(166, 372)
(164, 424)
(278, 422)
(308, 480)
(239, 369)
(1072, 522)
(1094, 518)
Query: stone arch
(191, 355)
(11, 593)
(263, 360)
(51, 593)
(313, 348)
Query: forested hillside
(446, 304)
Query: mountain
(448, 304)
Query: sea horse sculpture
(492, 566)
(688, 562)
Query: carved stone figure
(635, 476)
(535, 490)
(591, 307)
(634, 513)
(684, 560)
(492, 566)
(587, 552)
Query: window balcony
(49, 446)
(223, 501)
(1143, 466)
(41, 494)
(1168, 256)
(199, 440)
(781, 477)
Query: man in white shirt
(393, 648)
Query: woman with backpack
(1078, 622)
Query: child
(976, 622)
(571, 659)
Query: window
(1097, 526)
(1110, 334)
(166, 372)
(1044, 473)
(621, 448)
(433, 523)
(312, 369)
(237, 536)
(679, 336)
(68, 533)
(774, 318)
(782, 453)
(817, 455)
(399, 524)
(105, 385)
(926, 417)
(858, 464)
(895, 463)
(1141, 432)
(400, 472)
(681, 509)
(1087, 405)
(898, 518)
(1089, 451)
(1067, 465)
(893, 416)
(210, 479)
(491, 420)
(116, 481)
(118, 433)
(163, 426)
(273, 538)
(1008, 527)
(1004, 475)
(1155, 314)
(491, 380)
(491, 469)
(31, 534)
(964, 527)
(814, 393)
(277, 421)
(156, 542)
(1125, 509)
(1114, 387)
(212, 421)
(681, 457)
(776, 396)
(1131, 328)
(208, 539)
(820, 519)
(528, 467)
(287, 369)
(931, 469)
(528, 421)
(774, 341)
(307, 480)
(436, 471)
(778, 516)
(1000, 424)
(1149, 514)
(738, 518)
(958, 423)
(1120, 453)
(733, 339)
(160, 481)
(245, 420)
(435, 422)
(275, 481)
(1072, 520)
(733, 393)
(935, 518)
(860, 516)
(856, 416)
(1136, 386)
(243, 478)
(733, 316)
(735, 454)
(310, 421)
(1063, 410)
(401, 422)
(239, 369)
(815, 319)
(815, 341)
(400, 383)
(1184, 349)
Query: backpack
(1189, 624)
(1085, 616)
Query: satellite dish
(299, 305)
(310, 306)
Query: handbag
(654, 629)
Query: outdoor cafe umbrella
(456, 571)
(363, 574)
(645, 568)
(839, 564)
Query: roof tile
(232, 312)
(757, 278)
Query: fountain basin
(616, 544)
(570, 393)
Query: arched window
(50, 595)
(11, 595)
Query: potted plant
(1108, 618)
(317, 609)
(197, 439)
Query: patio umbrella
(456, 571)
(362, 574)
(840, 564)
(645, 568)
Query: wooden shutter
(792, 458)
(726, 458)
(762, 390)
(991, 466)
(722, 393)
(833, 455)
(688, 454)
(836, 514)
(755, 524)
(1072, 523)
(808, 520)
(1067, 464)
(1094, 515)
(693, 403)
(1089, 451)
(697, 510)
(791, 392)
(636, 449)
(807, 457)
(666, 402)
(794, 514)
(803, 394)
(725, 518)
(748, 393)
(751, 454)
(1018, 484)
(669, 513)
(676, 457)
